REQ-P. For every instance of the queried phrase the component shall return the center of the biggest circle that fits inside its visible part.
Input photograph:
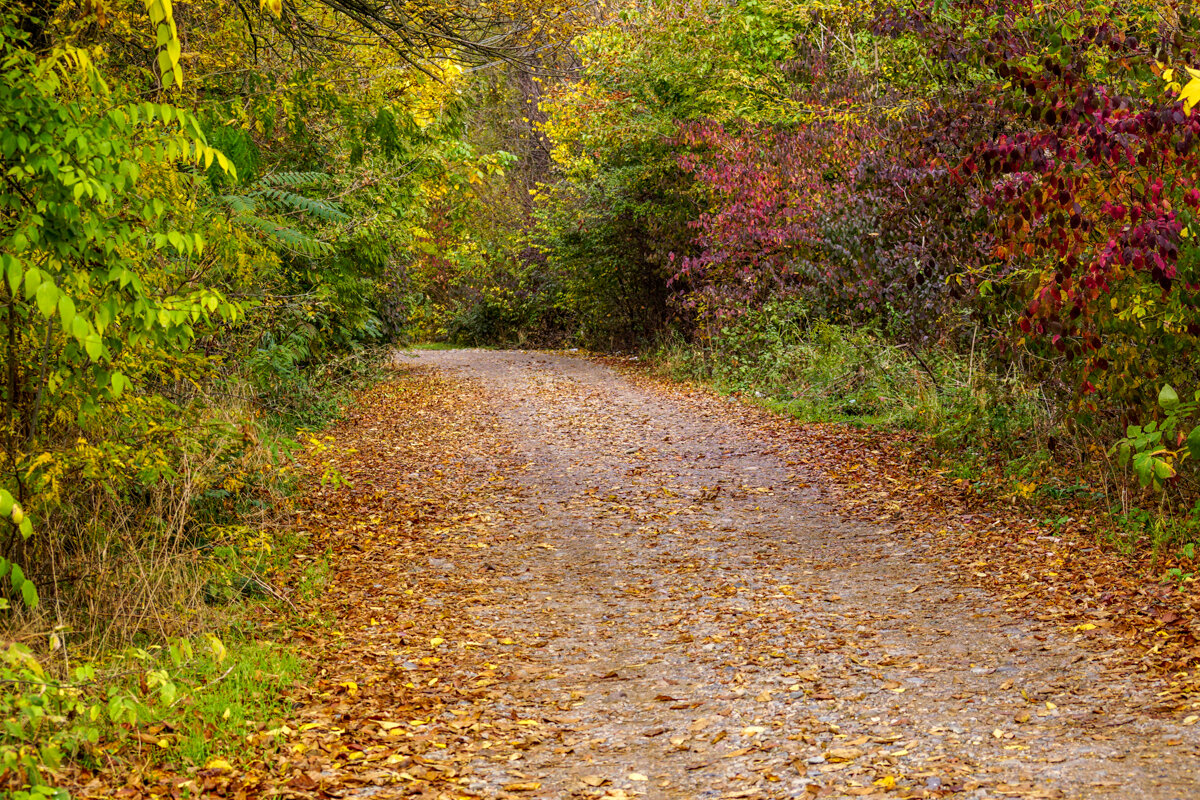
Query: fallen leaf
(843, 754)
(525, 786)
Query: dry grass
(117, 569)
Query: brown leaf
(843, 754)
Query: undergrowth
(819, 371)
(141, 646)
(180, 703)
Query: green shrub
(820, 371)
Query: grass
(245, 692)
(175, 704)
(817, 371)
(313, 578)
(434, 346)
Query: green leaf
(1163, 470)
(94, 346)
(29, 594)
(1193, 442)
(119, 384)
(14, 273)
(66, 311)
(1167, 397)
(1144, 467)
(33, 279)
(1123, 454)
(47, 298)
(51, 756)
(6, 503)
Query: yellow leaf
(218, 648)
(218, 763)
(1191, 93)
(435, 641)
(637, 776)
(887, 782)
(1087, 626)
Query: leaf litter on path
(549, 580)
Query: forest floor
(553, 578)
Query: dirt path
(671, 613)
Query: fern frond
(240, 204)
(289, 238)
(292, 179)
(285, 202)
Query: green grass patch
(189, 700)
(247, 691)
(434, 346)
